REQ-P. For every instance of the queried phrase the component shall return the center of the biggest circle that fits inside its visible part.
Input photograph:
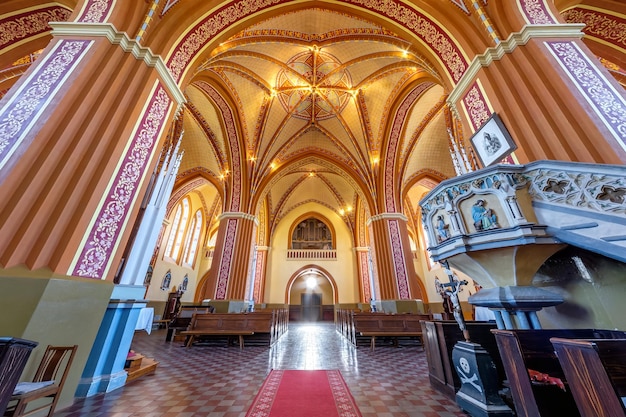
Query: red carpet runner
(304, 394)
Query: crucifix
(451, 289)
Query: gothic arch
(428, 28)
(317, 268)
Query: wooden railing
(323, 254)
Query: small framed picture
(492, 142)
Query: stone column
(79, 135)
(231, 262)
(363, 271)
(395, 271)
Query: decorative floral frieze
(365, 274)
(18, 27)
(180, 193)
(96, 11)
(423, 27)
(20, 113)
(609, 28)
(226, 260)
(536, 12)
(608, 103)
(233, 141)
(398, 260)
(393, 144)
(476, 105)
(261, 256)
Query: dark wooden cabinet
(439, 340)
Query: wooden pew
(182, 319)
(373, 325)
(596, 372)
(205, 325)
(524, 350)
(345, 325)
(265, 325)
(261, 323)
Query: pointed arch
(322, 272)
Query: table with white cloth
(144, 322)
(483, 314)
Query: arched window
(179, 225)
(193, 238)
(175, 227)
(184, 238)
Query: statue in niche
(442, 229)
(484, 218)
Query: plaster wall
(280, 270)
(55, 311)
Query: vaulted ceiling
(314, 90)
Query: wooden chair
(54, 366)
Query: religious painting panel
(492, 141)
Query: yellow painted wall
(280, 270)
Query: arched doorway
(311, 294)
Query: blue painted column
(104, 371)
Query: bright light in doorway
(311, 283)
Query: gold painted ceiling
(314, 89)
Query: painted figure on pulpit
(442, 229)
(484, 218)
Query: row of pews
(356, 325)
(548, 372)
(573, 372)
(195, 325)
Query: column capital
(239, 215)
(567, 30)
(107, 30)
(387, 216)
(263, 248)
(362, 249)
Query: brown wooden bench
(530, 350)
(596, 372)
(265, 326)
(182, 319)
(205, 325)
(373, 325)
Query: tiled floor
(222, 381)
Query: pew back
(524, 350)
(374, 325)
(595, 369)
